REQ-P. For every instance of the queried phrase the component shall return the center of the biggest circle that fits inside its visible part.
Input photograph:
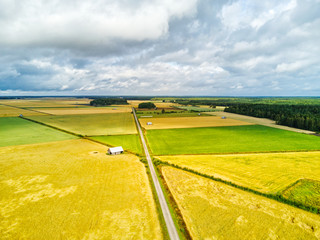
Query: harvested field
(264, 172)
(46, 102)
(260, 121)
(73, 190)
(159, 104)
(6, 111)
(88, 110)
(190, 122)
(128, 142)
(234, 139)
(92, 124)
(213, 210)
(18, 131)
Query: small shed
(115, 150)
(223, 117)
(149, 123)
(20, 115)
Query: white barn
(115, 150)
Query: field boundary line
(277, 197)
(27, 109)
(173, 234)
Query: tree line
(299, 116)
(108, 101)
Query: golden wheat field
(159, 104)
(213, 210)
(88, 110)
(189, 122)
(46, 102)
(7, 111)
(72, 190)
(265, 172)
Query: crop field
(173, 113)
(17, 131)
(159, 104)
(87, 110)
(73, 190)
(235, 139)
(199, 108)
(304, 191)
(47, 102)
(264, 172)
(92, 124)
(128, 142)
(190, 122)
(213, 210)
(7, 111)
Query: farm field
(7, 111)
(190, 122)
(264, 172)
(46, 102)
(173, 113)
(304, 191)
(213, 210)
(128, 142)
(17, 131)
(199, 108)
(234, 139)
(87, 110)
(92, 124)
(73, 190)
(159, 104)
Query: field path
(164, 206)
(260, 121)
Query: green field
(263, 172)
(253, 138)
(305, 192)
(17, 131)
(213, 210)
(128, 142)
(199, 109)
(157, 114)
(92, 124)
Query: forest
(107, 101)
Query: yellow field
(189, 122)
(6, 111)
(92, 110)
(73, 190)
(213, 210)
(265, 172)
(159, 104)
(46, 102)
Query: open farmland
(235, 139)
(47, 102)
(128, 142)
(7, 111)
(173, 113)
(92, 124)
(190, 122)
(213, 210)
(264, 172)
(159, 104)
(17, 131)
(87, 110)
(73, 190)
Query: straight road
(163, 204)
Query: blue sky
(161, 47)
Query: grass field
(17, 131)
(92, 124)
(87, 110)
(128, 142)
(253, 138)
(305, 191)
(190, 122)
(6, 111)
(199, 108)
(264, 172)
(173, 113)
(73, 190)
(213, 210)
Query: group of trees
(148, 105)
(298, 116)
(107, 101)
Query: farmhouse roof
(115, 149)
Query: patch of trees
(148, 105)
(107, 101)
(299, 116)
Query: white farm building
(149, 123)
(115, 150)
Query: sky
(160, 47)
